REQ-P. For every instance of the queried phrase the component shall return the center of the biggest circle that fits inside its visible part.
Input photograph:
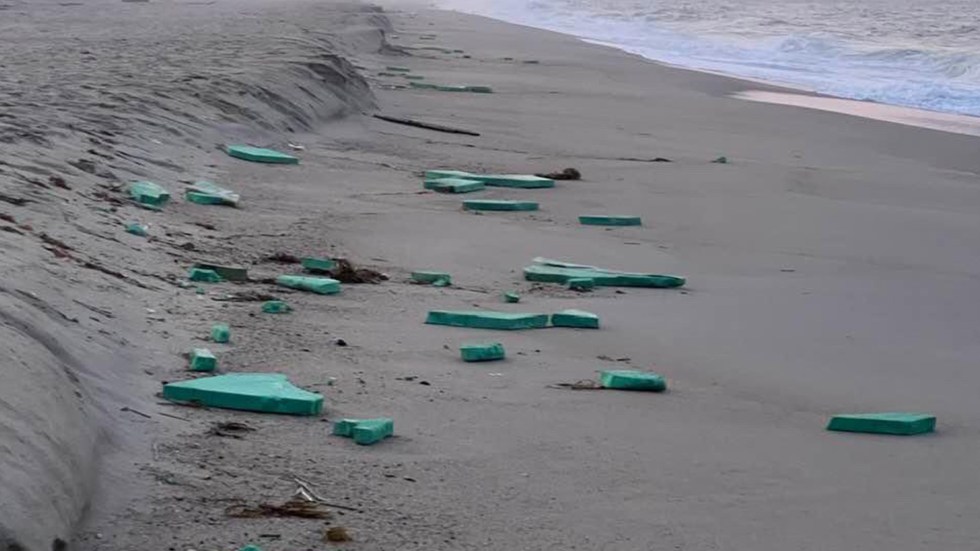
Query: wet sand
(830, 264)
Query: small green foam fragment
(422, 85)
(512, 297)
(365, 431)
(231, 273)
(262, 392)
(136, 228)
(464, 88)
(276, 307)
(149, 194)
(479, 319)
(609, 220)
(318, 265)
(318, 285)
(454, 185)
(481, 352)
(499, 205)
(220, 333)
(413, 77)
(602, 278)
(260, 155)
(204, 276)
(428, 277)
(398, 69)
(206, 193)
(581, 284)
(203, 359)
(632, 380)
(575, 318)
(896, 423)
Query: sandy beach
(830, 264)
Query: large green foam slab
(318, 285)
(609, 220)
(499, 205)
(454, 185)
(481, 352)
(632, 380)
(575, 318)
(365, 431)
(898, 423)
(262, 392)
(480, 319)
(522, 181)
(206, 193)
(149, 194)
(554, 274)
(261, 155)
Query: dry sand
(831, 266)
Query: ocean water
(914, 53)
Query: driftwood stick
(426, 125)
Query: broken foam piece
(220, 333)
(365, 431)
(481, 352)
(897, 423)
(262, 392)
(607, 278)
(318, 285)
(575, 318)
(318, 265)
(231, 273)
(512, 297)
(521, 181)
(206, 193)
(632, 380)
(149, 195)
(480, 319)
(499, 205)
(260, 155)
(276, 307)
(609, 220)
(431, 277)
(203, 359)
(204, 276)
(454, 185)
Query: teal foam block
(522, 181)
(440, 174)
(365, 431)
(479, 319)
(512, 297)
(581, 283)
(262, 392)
(499, 205)
(318, 285)
(206, 193)
(261, 155)
(481, 352)
(903, 424)
(607, 278)
(203, 359)
(149, 194)
(318, 265)
(609, 220)
(136, 228)
(204, 276)
(231, 273)
(220, 333)
(431, 277)
(276, 307)
(454, 185)
(422, 85)
(632, 380)
(398, 69)
(575, 318)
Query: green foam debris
(632, 380)
(431, 278)
(512, 297)
(276, 307)
(609, 220)
(575, 318)
(479, 319)
(464, 88)
(454, 185)
(606, 278)
(384, 74)
(365, 431)
(318, 265)
(231, 273)
(203, 359)
(220, 333)
(206, 193)
(251, 548)
(399, 69)
(260, 155)
(481, 352)
(581, 284)
(262, 392)
(318, 285)
(414, 77)
(204, 275)
(440, 174)
(422, 85)
(499, 205)
(136, 228)
(149, 195)
(897, 423)
(520, 181)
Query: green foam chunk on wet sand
(895, 423)
(454, 185)
(318, 265)
(136, 228)
(464, 88)
(365, 431)
(632, 380)
(479, 319)
(512, 297)
(431, 277)
(318, 285)
(398, 69)
(220, 333)
(206, 193)
(203, 359)
(149, 194)
(575, 318)
(519, 181)
(204, 275)
(262, 392)
(481, 352)
(499, 205)
(606, 278)
(611, 220)
(231, 273)
(276, 307)
(261, 155)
